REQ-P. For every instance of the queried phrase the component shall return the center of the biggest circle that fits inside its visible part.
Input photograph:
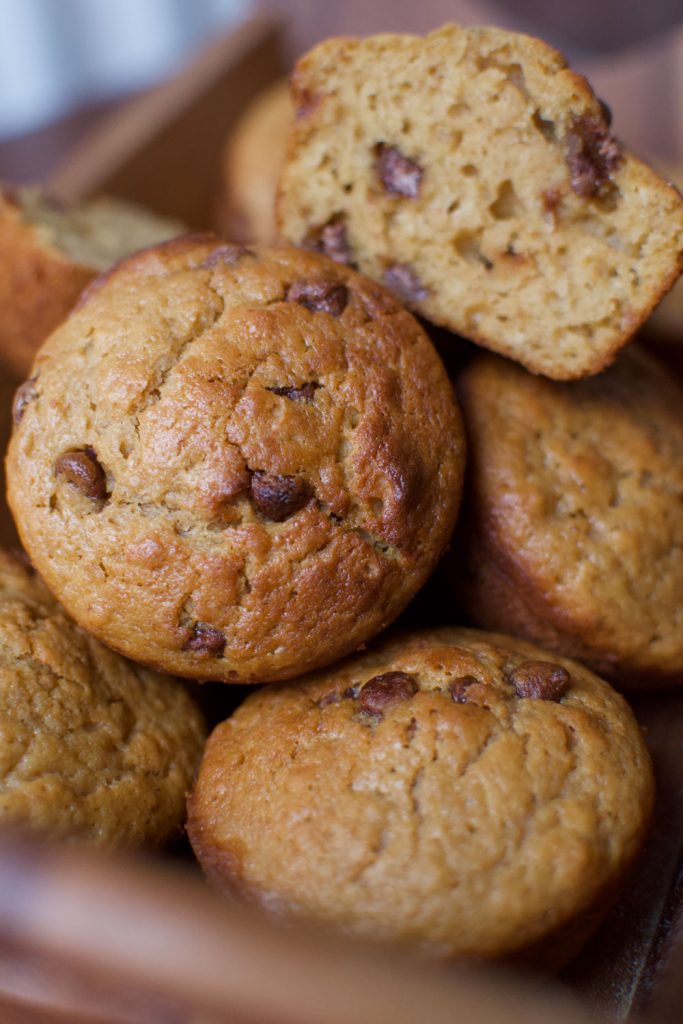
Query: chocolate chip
(540, 680)
(304, 393)
(82, 469)
(400, 175)
(320, 296)
(381, 692)
(592, 154)
(279, 497)
(25, 394)
(205, 639)
(351, 692)
(403, 280)
(458, 688)
(227, 255)
(330, 239)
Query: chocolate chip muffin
(252, 163)
(573, 528)
(93, 747)
(236, 465)
(459, 791)
(50, 252)
(474, 173)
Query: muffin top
(236, 465)
(92, 746)
(451, 788)
(576, 513)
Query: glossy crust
(573, 524)
(234, 465)
(463, 817)
(475, 173)
(93, 747)
(38, 287)
(252, 163)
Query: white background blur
(56, 55)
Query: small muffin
(475, 174)
(49, 253)
(252, 163)
(236, 465)
(573, 527)
(456, 790)
(93, 747)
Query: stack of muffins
(242, 464)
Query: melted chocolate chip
(458, 688)
(82, 470)
(330, 239)
(226, 254)
(540, 680)
(400, 175)
(381, 692)
(403, 280)
(320, 296)
(592, 154)
(303, 394)
(25, 394)
(278, 497)
(205, 639)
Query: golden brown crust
(94, 747)
(572, 529)
(475, 173)
(38, 287)
(49, 253)
(252, 163)
(236, 465)
(460, 815)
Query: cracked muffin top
(236, 465)
(92, 747)
(573, 524)
(455, 789)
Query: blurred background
(63, 63)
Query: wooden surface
(152, 944)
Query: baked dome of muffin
(236, 465)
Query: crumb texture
(483, 167)
(93, 747)
(574, 514)
(455, 813)
(236, 465)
